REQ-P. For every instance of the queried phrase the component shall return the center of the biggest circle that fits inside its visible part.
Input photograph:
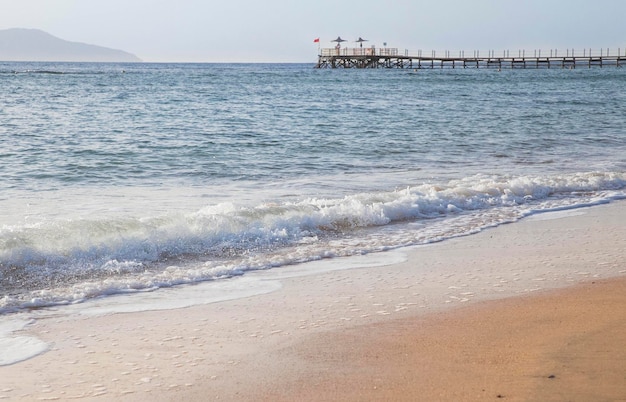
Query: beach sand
(534, 310)
(568, 345)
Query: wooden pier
(390, 58)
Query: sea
(135, 178)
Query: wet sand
(568, 345)
(528, 311)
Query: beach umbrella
(338, 40)
(360, 41)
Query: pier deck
(389, 58)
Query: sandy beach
(534, 310)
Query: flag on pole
(316, 40)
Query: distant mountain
(20, 44)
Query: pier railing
(520, 53)
(358, 51)
(448, 54)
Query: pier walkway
(390, 58)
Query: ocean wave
(62, 261)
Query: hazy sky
(283, 30)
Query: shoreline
(239, 349)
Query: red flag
(316, 40)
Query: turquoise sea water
(121, 178)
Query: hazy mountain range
(20, 44)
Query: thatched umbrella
(338, 40)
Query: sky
(284, 30)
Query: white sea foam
(15, 348)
